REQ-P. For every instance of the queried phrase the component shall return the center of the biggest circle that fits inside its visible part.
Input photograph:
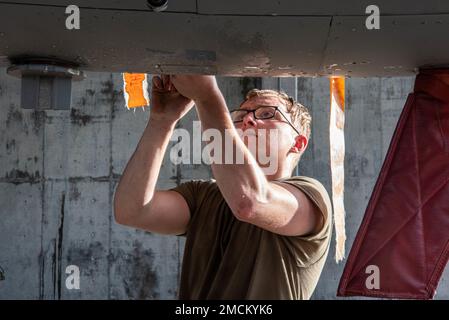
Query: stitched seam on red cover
(418, 185)
(436, 274)
(446, 149)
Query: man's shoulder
(314, 189)
(304, 181)
(300, 178)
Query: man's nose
(249, 121)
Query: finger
(174, 78)
(166, 81)
(157, 82)
(171, 86)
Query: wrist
(161, 124)
(212, 97)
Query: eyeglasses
(262, 113)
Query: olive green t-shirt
(225, 258)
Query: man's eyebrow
(260, 106)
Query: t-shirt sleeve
(190, 191)
(308, 249)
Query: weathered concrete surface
(59, 169)
(256, 37)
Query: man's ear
(300, 144)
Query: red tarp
(405, 230)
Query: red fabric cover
(405, 230)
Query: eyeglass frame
(255, 117)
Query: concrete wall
(59, 169)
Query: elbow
(245, 210)
(119, 219)
(125, 213)
(119, 212)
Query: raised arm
(137, 203)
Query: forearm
(138, 181)
(243, 184)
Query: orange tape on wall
(135, 89)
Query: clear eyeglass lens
(238, 115)
(261, 113)
(265, 112)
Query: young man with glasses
(249, 235)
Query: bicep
(288, 211)
(167, 213)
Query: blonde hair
(299, 114)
